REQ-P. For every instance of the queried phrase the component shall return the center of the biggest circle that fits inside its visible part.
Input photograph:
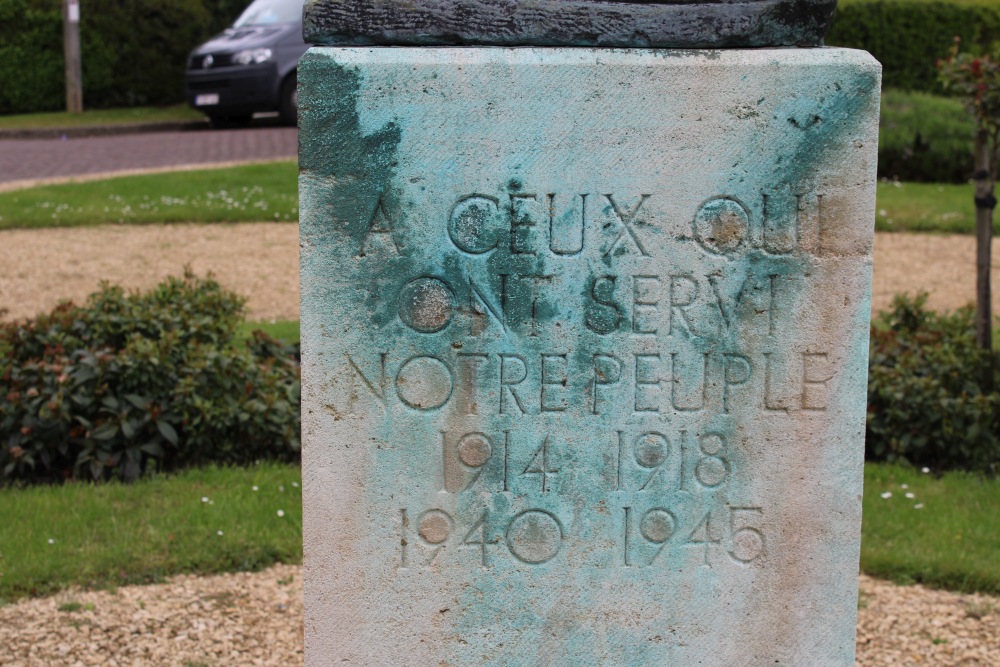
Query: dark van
(250, 67)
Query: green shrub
(924, 138)
(132, 382)
(224, 12)
(909, 36)
(133, 52)
(929, 399)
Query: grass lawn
(203, 520)
(179, 112)
(952, 541)
(114, 534)
(286, 330)
(249, 193)
(927, 207)
(253, 193)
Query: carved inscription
(665, 383)
(625, 385)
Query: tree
(977, 80)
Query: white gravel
(256, 619)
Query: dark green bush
(133, 382)
(924, 138)
(224, 12)
(929, 399)
(134, 51)
(909, 36)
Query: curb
(101, 130)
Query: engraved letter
(642, 304)
(424, 383)
(536, 281)
(646, 376)
(814, 390)
(607, 371)
(769, 403)
(730, 313)
(507, 381)
(677, 384)
(379, 223)
(627, 220)
(736, 373)
(377, 393)
(548, 382)
(483, 308)
(567, 215)
(519, 242)
(680, 299)
(470, 378)
(605, 317)
(469, 224)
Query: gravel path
(256, 619)
(38, 268)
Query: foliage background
(134, 51)
(909, 36)
(132, 383)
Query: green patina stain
(354, 174)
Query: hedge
(131, 383)
(924, 138)
(909, 36)
(133, 51)
(931, 401)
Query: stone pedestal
(585, 341)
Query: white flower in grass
(254, 487)
(204, 499)
(918, 506)
(281, 513)
(51, 541)
(925, 470)
(281, 488)
(887, 494)
(219, 533)
(911, 496)
(295, 484)
(904, 486)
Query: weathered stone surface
(609, 23)
(584, 354)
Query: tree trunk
(985, 203)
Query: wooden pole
(985, 203)
(71, 47)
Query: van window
(270, 12)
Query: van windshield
(270, 12)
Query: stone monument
(584, 333)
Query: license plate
(206, 100)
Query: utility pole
(71, 47)
(985, 203)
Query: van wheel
(289, 109)
(228, 122)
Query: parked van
(250, 67)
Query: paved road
(22, 159)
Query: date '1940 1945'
(538, 536)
